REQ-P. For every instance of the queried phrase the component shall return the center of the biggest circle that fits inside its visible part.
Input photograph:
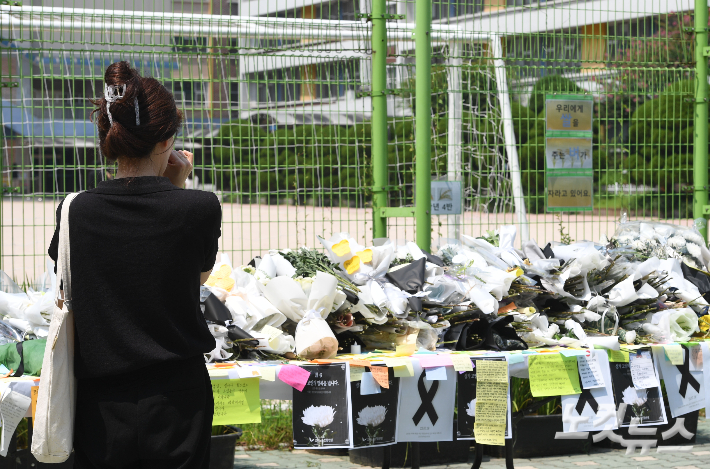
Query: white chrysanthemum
(690, 262)
(639, 245)
(692, 237)
(670, 252)
(694, 250)
(676, 242)
(551, 331)
(471, 409)
(634, 396)
(372, 416)
(320, 416)
(626, 239)
(306, 284)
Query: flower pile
(646, 284)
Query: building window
(520, 3)
(541, 55)
(445, 9)
(195, 45)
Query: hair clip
(113, 93)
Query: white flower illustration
(634, 397)
(471, 409)
(320, 416)
(372, 416)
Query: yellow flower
(704, 322)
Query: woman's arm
(204, 276)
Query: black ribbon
(427, 397)
(685, 377)
(586, 398)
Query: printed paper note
(236, 401)
(590, 372)
(461, 362)
(696, 357)
(674, 352)
(642, 372)
(294, 376)
(551, 374)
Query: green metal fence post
(379, 117)
(422, 43)
(700, 143)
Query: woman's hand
(179, 167)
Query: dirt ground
(250, 230)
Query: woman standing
(141, 246)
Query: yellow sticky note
(365, 256)
(352, 265)
(618, 356)
(461, 362)
(236, 401)
(217, 373)
(341, 248)
(394, 362)
(268, 373)
(492, 370)
(487, 434)
(674, 352)
(552, 374)
(405, 350)
(356, 373)
(403, 371)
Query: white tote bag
(53, 437)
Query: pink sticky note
(431, 361)
(294, 376)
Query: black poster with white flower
(321, 412)
(644, 405)
(466, 397)
(374, 416)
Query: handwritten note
(618, 356)
(294, 376)
(589, 371)
(381, 375)
(356, 373)
(551, 374)
(674, 352)
(491, 401)
(487, 434)
(13, 408)
(461, 362)
(642, 373)
(236, 401)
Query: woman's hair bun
(122, 135)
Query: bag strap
(63, 259)
(21, 367)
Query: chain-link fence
(278, 96)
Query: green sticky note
(674, 353)
(618, 356)
(236, 401)
(552, 374)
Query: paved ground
(697, 458)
